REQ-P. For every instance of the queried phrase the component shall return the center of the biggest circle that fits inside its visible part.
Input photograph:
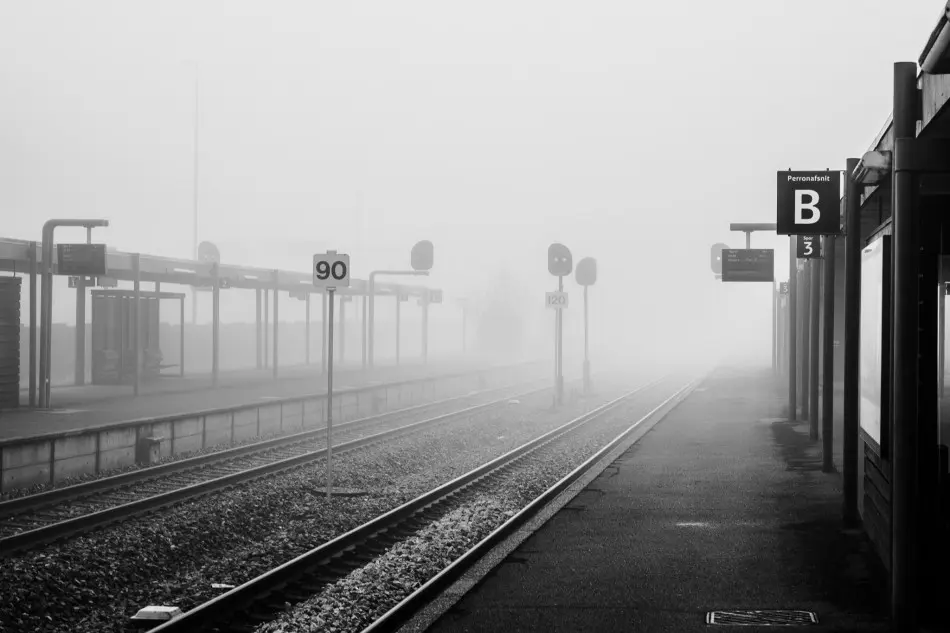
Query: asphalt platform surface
(721, 506)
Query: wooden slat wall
(877, 502)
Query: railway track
(30, 521)
(244, 608)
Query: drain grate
(761, 618)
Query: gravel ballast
(353, 603)
(96, 583)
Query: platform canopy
(15, 257)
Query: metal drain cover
(761, 618)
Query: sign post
(330, 271)
(808, 204)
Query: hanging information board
(752, 264)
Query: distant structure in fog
(500, 329)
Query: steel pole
(852, 342)
(372, 314)
(136, 322)
(398, 332)
(329, 326)
(560, 346)
(33, 368)
(215, 323)
(905, 528)
(828, 358)
(276, 322)
(266, 327)
(257, 323)
(586, 356)
(307, 332)
(425, 327)
(194, 193)
(323, 332)
(814, 348)
(45, 309)
(806, 339)
(941, 332)
(79, 374)
(792, 333)
(181, 338)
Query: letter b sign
(809, 203)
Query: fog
(632, 132)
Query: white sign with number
(555, 300)
(331, 270)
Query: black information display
(755, 264)
(808, 246)
(81, 259)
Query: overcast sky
(632, 131)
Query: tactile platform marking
(761, 618)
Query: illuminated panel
(874, 350)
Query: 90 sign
(331, 270)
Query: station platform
(79, 407)
(721, 506)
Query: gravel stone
(172, 557)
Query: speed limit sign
(555, 300)
(331, 270)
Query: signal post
(560, 264)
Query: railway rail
(34, 520)
(242, 609)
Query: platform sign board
(808, 247)
(331, 270)
(555, 300)
(874, 349)
(81, 259)
(809, 203)
(107, 282)
(783, 288)
(753, 264)
(435, 296)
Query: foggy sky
(633, 132)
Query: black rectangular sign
(783, 288)
(809, 203)
(756, 264)
(808, 246)
(81, 259)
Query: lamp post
(46, 297)
(421, 259)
